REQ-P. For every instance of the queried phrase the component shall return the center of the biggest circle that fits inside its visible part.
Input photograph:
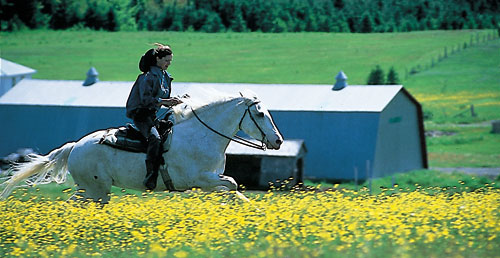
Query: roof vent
(340, 81)
(91, 77)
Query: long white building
(355, 131)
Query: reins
(237, 138)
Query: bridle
(237, 138)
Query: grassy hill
(470, 77)
(446, 86)
(231, 57)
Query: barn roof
(8, 68)
(289, 148)
(277, 97)
(67, 93)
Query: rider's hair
(149, 58)
(162, 50)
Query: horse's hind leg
(92, 186)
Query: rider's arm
(146, 90)
(170, 102)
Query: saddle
(128, 137)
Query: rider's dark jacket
(148, 90)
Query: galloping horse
(196, 156)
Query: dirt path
(486, 172)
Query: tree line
(360, 16)
(376, 77)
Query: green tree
(340, 24)
(392, 77)
(95, 16)
(61, 15)
(366, 23)
(111, 22)
(177, 20)
(238, 24)
(339, 4)
(39, 19)
(376, 76)
(213, 23)
(279, 25)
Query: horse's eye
(260, 114)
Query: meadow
(447, 71)
(466, 146)
(274, 224)
(293, 58)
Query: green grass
(229, 57)
(447, 89)
(469, 146)
(62, 191)
(470, 77)
(430, 181)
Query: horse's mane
(205, 99)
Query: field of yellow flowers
(273, 224)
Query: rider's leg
(149, 131)
(152, 159)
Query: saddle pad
(115, 137)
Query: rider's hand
(170, 102)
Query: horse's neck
(223, 118)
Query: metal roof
(289, 148)
(277, 97)
(68, 93)
(8, 68)
(309, 97)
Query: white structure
(256, 168)
(374, 130)
(11, 73)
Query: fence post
(472, 113)
(356, 177)
(368, 175)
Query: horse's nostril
(279, 142)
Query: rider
(151, 90)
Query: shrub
(376, 76)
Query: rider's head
(160, 56)
(163, 54)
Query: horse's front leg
(212, 182)
(220, 183)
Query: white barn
(11, 73)
(372, 130)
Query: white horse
(196, 156)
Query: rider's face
(164, 62)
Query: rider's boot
(151, 175)
(152, 161)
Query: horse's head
(258, 123)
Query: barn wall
(398, 142)
(273, 168)
(245, 169)
(6, 83)
(336, 141)
(44, 128)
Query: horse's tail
(40, 169)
